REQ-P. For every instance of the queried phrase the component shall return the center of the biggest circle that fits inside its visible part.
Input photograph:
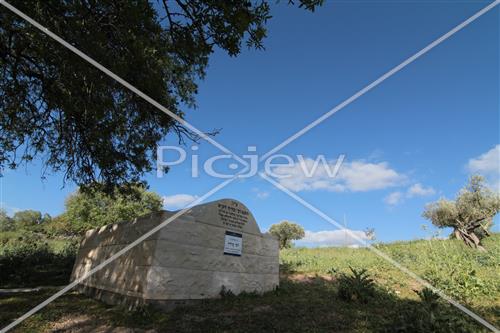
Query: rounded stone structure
(212, 246)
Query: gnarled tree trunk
(469, 237)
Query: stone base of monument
(213, 246)
(131, 302)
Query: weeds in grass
(465, 283)
(226, 292)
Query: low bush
(226, 292)
(28, 261)
(356, 287)
(432, 314)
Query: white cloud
(262, 195)
(178, 200)
(332, 238)
(394, 198)
(356, 176)
(417, 190)
(488, 165)
(360, 176)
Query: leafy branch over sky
(56, 107)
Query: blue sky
(409, 141)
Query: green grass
(308, 297)
(311, 306)
(466, 274)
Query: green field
(465, 274)
(309, 298)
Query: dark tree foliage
(57, 107)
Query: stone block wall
(188, 259)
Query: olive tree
(286, 232)
(470, 214)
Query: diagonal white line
(157, 105)
(121, 81)
(380, 79)
(380, 253)
(118, 254)
(206, 137)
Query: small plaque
(233, 243)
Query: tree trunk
(469, 238)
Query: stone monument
(212, 246)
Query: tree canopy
(5, 221)
(30, 218)
(286, 232)
(55, 106)
(470, 214)
(25, 220)
(94, 208)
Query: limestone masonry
(212, 245)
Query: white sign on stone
(212, 245)
(233, 243)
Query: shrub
(29, 261)
(356, 287)
(432, 315)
